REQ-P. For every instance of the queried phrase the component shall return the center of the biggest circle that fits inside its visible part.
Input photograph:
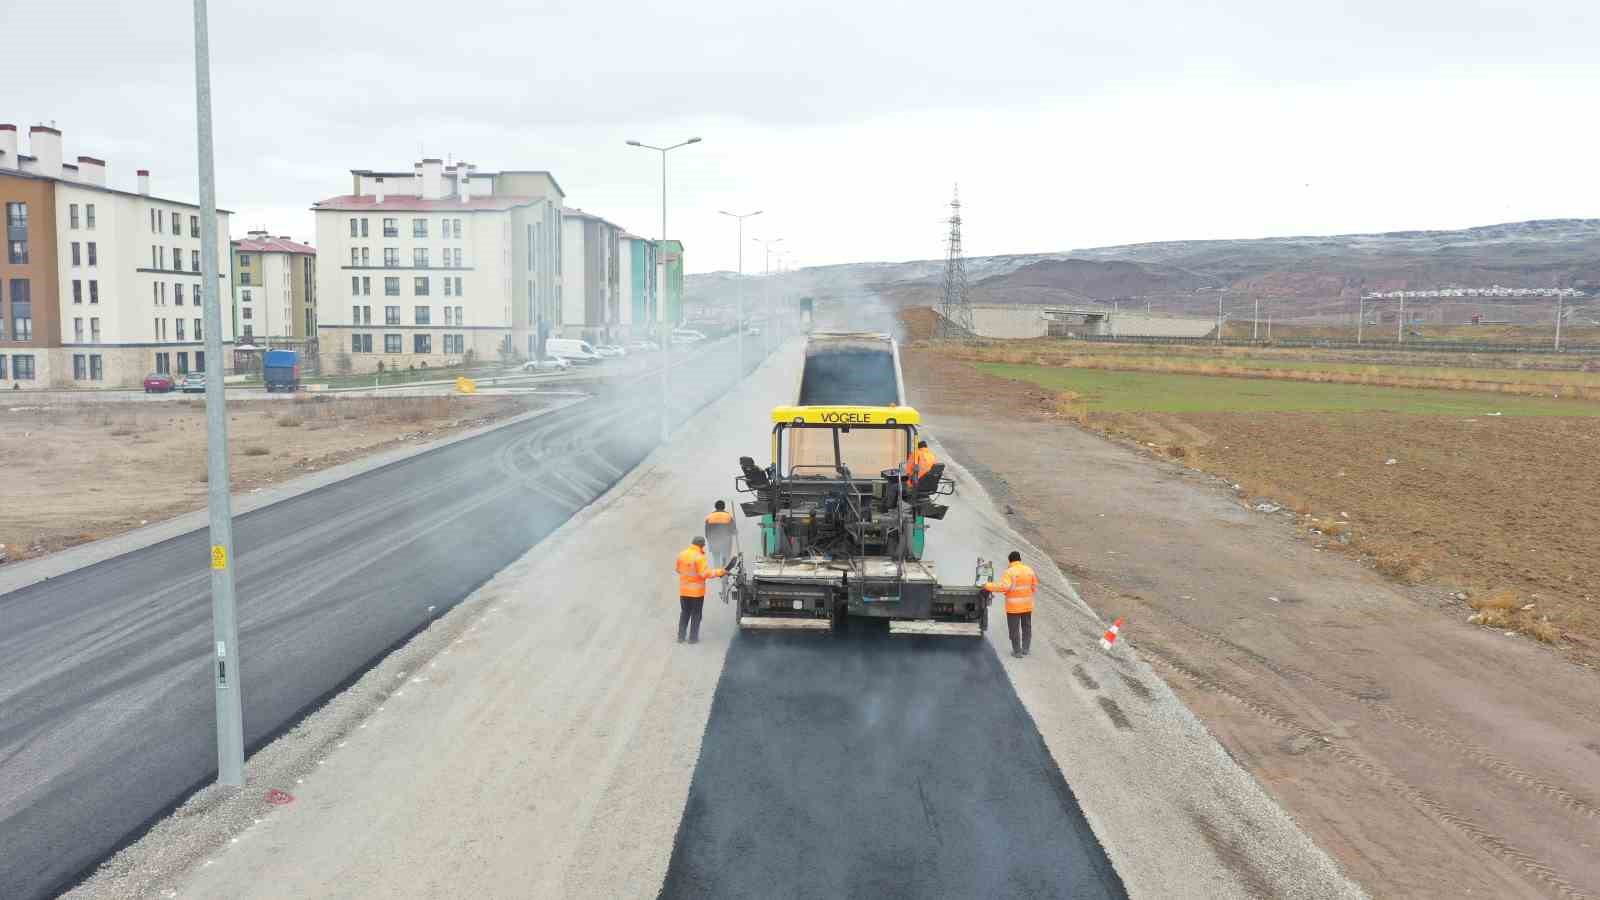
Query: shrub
(256, 451)
(290, 421)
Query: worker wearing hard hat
(693, 570)
(719, 533)
(1018, 584)
(919, 463)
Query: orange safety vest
(693, 570)
(919, 463)
(719, 517)
(1018, 584)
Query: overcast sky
(1067, 125)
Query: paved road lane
(877, 766)
(106, 709)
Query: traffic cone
(1110, 637)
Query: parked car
(193, 383)
(686, 336)
(158, 383)
(610, 351)
(643, 346)
(572, 350)
(548, 364)
(753, 331)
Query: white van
(571, 349)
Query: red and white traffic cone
(1110, 637)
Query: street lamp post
(738, 320)
(766, 287)
(666, 335)
(224, 614)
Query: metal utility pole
(1219, 318)
(766, 285)
(1558, 323)
(1400, 329)
(661, 288)
(1361, 317)
(955, 309)
(1255, 320)
(738, 319)
(224, 616)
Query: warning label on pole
(219, 556)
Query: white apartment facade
(274, 289)
(437, 265)
(591, 295)
(111, 277)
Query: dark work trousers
(689, 609)
(1020, 625)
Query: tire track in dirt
(1463, 748)
(1164, 659)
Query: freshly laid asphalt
(106, 707)
(878, 766)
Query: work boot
(680, 638)
(1017, 654)
(694, 640)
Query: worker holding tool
(719, 534)
(920, 462)
(693, 570)
(1018, 584)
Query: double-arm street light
(661, 259)
(739, 319)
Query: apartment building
(638, 280)
(274, 288)
(670, 280)
(591, 294)
(426, 266)
(98, 286)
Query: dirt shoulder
(1428, 756)
(81, 472)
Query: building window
(422, 343)
(75, 260)
(177, 222)
(199, 357)
(94, 257)
(244, 278)
(21, 309)
(197, 334)
(77, 330)
(22, 368)
(177, 295)
(423, 315)
(97, 369)
(2, 368)
(183, 360)
(194, 226)
(80, 367)
(178, 326)
(17, 252)
(449, 311)
(72, 215)
(363, 227)
(194, 260)
(360, 343)
(391, 343)
(419, 257)
(247, 314)
(459, 291)
(77, 291)
(419, 228)
(88, 216)
(391, 315)
(449, 287)
(177, 259)
(249, 332)
(163, 363)
(244, 259)
(94, 290)
(457, 228)
(355, 256)
(460, 319)
(17, 221)
(355, 283)
(366, 286)
(391, 227)
(391, 286)
(420, 286)
(366, 315)
(391, 257)
(366, 256)
(458, 257)
(244, 296)
(354, 232)
(94, 330)
(455, 343)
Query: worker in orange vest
(1018, 584)
(920, 462)
(719, 533)
(693, 570)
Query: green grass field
(1554, 378)
(1158, 392)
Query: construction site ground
(1430, 756)
(548, 738)
(117, 465)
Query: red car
(157, 383)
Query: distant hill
(1302, 276)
